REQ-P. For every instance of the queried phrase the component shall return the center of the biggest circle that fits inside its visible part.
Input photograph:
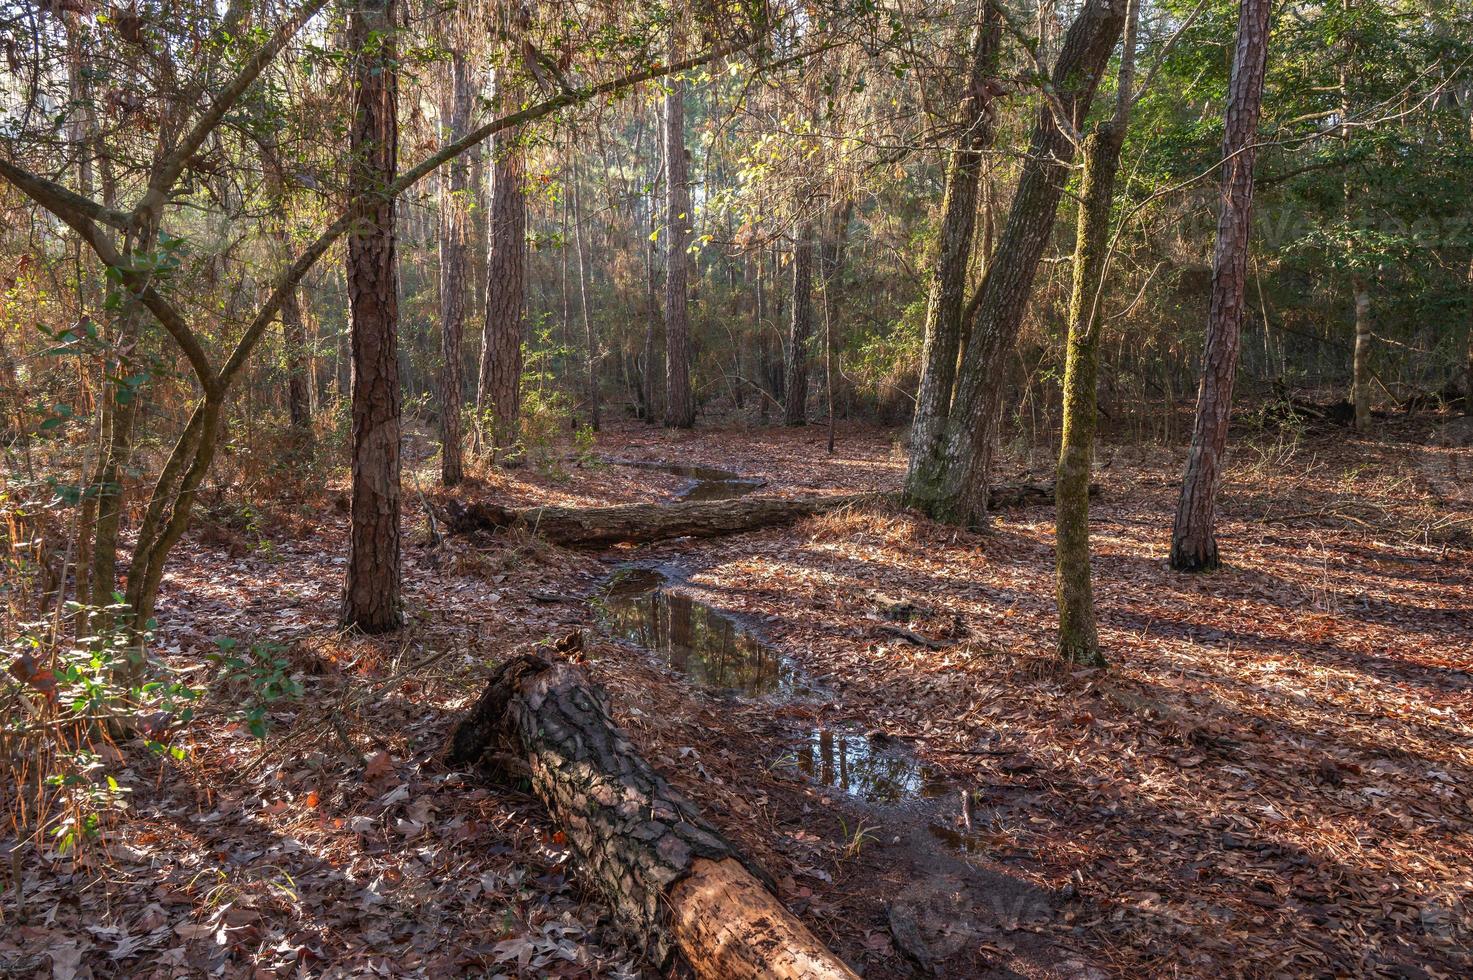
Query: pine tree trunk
(946, 296)
(680, 407)
(1193, 540)
(499, 390)
(954, 471)
(800, 329)
(454, 235)
(371, 594)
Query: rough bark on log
(673, 880)
(639, 523)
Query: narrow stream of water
(705, 644)
(703, 482)
(867, 768)
(714, 649)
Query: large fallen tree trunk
(639, 523)
(673, 880)
(586, 526)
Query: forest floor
(1271, 779)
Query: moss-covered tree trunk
(1078, 639)
(1078, 636)
(946, 298)
(953, 469)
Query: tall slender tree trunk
(298, 369)
(1078, 636)
(590, 335)
(499, 391)
(652, 306)
(1468, 383)
(371, 594)
(680, 406)
(455, 232)
(951, 474)
(1193, 539)
(1360, 367)
(1361, 361)
(946, 296)
(800, 329)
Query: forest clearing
(739, 489)
(1274, 767)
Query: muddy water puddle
(871, 769)
(710, 647)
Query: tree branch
(172, 165)
(59, 200)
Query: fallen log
(593, 526)
(642, 523)
(673, 881)
(1006, 496)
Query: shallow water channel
(715, 649)
(703, 643)
(702, 482)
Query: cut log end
(724, 917)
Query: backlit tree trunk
(455, 232)
(1078, 636)
(371, 595)
(680, 406)
(953, 482)
(946, 297)
(651, 315)
(590, 335)
(795, 368)
(1193, 539)
(298, 369)
(1361, 362)
(499, 391)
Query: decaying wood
(911, 636)
(591, 526)
(672, 879)
(639, 523)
